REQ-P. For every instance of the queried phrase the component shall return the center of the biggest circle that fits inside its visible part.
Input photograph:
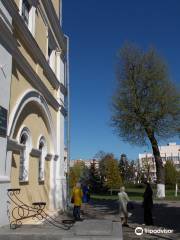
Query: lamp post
(68, 126)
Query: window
(24, 155)
(28, 13)
(25, 11)
(49, 54)
(43, 149)
(51, 46)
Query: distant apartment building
(170, 152)
(33, 83)
(86, 162)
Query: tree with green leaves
(103, 165)
(78, 173)
(127, 169)
(123, 167)
(146, 104)
(113, 178)
(94, 177)
(131, 177)
(170, 173)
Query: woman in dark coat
(148, 205)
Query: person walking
(148, 204)
(77, 200)
(123, 201)
(86, 197)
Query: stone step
(88, 229)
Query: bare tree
(146, 104)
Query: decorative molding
(61, 53)
(55, 24)
(63, 111)
(32, 96)
(35, 3)
(49, 156)
(4, 179)
(13, 145)
(31, 43)
(11, 45)
(7, 21)
(23, 182)
(43, 15)
(63, 89)
(56, 157)
(35, 152)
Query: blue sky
(97, 29)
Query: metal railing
(19, 211)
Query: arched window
(43, 149)
(25, 140)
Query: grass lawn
(136, 194)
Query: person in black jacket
(148, 204)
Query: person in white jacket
(123, 200)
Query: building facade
(169, 152)
(33, 72)
(86, 162)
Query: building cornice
(63, 89)
(35, 152)
(49, 157)
(11, 45)
(31, 43)
(13, 145)
(55, 24)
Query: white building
(86, 162)
(5, 81)
(170, 152)
(33, 102)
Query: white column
(60, 140)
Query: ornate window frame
(26, 141)
(42, 146)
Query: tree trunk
(160, 171)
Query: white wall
(5, 80)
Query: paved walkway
(166, 216)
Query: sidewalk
(88, 229)
(166, 216)
(101, 222)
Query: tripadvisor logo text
(139, 231)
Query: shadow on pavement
(165, 214)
